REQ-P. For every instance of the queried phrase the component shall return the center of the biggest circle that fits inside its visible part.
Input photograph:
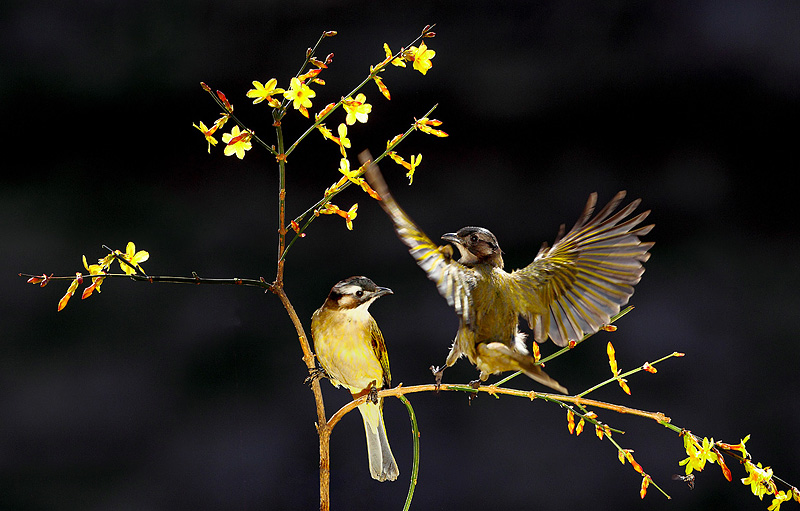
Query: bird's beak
(452, 238)
(382, 291)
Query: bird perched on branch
(350, 347)
(569, 290)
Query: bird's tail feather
(382, 465)
(499, 355)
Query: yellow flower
(780, 498)
(208, 133)
(342, 140)
(265, 92)
(415, 161)
(759, 479)
(422, 58)
(349, 216)
(411, 167)
(357, 109)
(300, 95)
(397, 61)
(333, 209)
(133, 258)
(237, 142)
(96, 269)
(352, 175)
(697, 458)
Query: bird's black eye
(359, 293)
(473, 238)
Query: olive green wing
(574, 287)
(454, 281)
(379, 347)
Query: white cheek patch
(349, 289)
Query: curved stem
(415, 440)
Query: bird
(350, 347)
(571, 288)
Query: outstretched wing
(454, 281)
(575, 286)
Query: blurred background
(191, 397)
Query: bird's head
(355, 292)
(476, 245)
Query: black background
(179, 397)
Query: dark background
(178, 397)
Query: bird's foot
(315, 374)
(475, 384)
(372, 393)
(437, 374)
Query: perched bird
(569, 290)
(350, 347)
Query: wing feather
(454, 281)
(575, 286)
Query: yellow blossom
(779, 499)
(332, 209)
(342, 139)
(415, 161)
(96, 269)
(208, 133)
(133, 258)
(265, 92)
(410, 167)
(759, 479)
(300, 95)
(357, 109)
(349, 216)
(422, 58)
(237, 142)
(395, 61)
(697, 457)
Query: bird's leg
(372, 392)
(316, 373)
(437, 374)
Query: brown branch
(494, 390)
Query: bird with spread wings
(571, 288)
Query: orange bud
(296, 228)
(225, 101)
(579, 427)
(598, 430)
(536, 353)
(205, 87)
(382, 87)
(572, 344)
(609, 328)
(645, 484)
(725, 470)
(570, 421)
(650, 369)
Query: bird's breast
(343, 344)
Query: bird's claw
(315, 374)
(437, 374)
(372, 395)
